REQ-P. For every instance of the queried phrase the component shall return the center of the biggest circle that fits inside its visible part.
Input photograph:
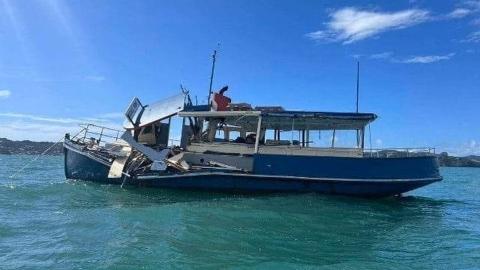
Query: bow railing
(92, 133)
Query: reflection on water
(48, 222)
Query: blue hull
(263, 183)
(331, 175)
(81, 165)
(408, 168)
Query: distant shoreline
(27, 147)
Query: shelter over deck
(288, 120)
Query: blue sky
(65, 62)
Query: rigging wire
(35, 158)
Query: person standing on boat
(219, 102)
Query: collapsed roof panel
(157, 111)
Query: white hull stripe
(284, 177)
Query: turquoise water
(47, 222)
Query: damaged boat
(236, 147)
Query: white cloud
(459, 13)
(5, 93)
(420, 59)
(427, 59)
(41, 118)
(473, 37)
(112, 115)
(466, 8)
(384, 55)
(473, 4)
(20, 126)
(350, 24)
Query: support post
(333, 139)
(257, 136)
(362, 138)
(293, 127)
(101, 135)
(303, 138)
(308, 137)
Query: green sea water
(47, 222)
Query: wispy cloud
(473, 37)
(473, 5)
(112, 115)
(384, 55)
(417, 59)
(5, 93)
(459, 13)
(350, 24)
(427, 59)
(41, 118)
(95, 78)
(26, 126)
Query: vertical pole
(257, 137)
(362, 138)
(333, 139)
(303, 137)
(370, 138)
(358, 83)
(308, 137)
(214, 58)
(85, 134)
(100, 138)
(293, 126)
(358, 89)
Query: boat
(235, 147)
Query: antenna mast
(358, 82)
(214, 58)
(358, 88)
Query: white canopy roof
(288, 120)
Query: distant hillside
(443, 158)
(9, 147)
(477, 158)
(448, 161)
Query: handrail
(96, 132)
(94, 125)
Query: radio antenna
(214, 58)
(358, 83)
